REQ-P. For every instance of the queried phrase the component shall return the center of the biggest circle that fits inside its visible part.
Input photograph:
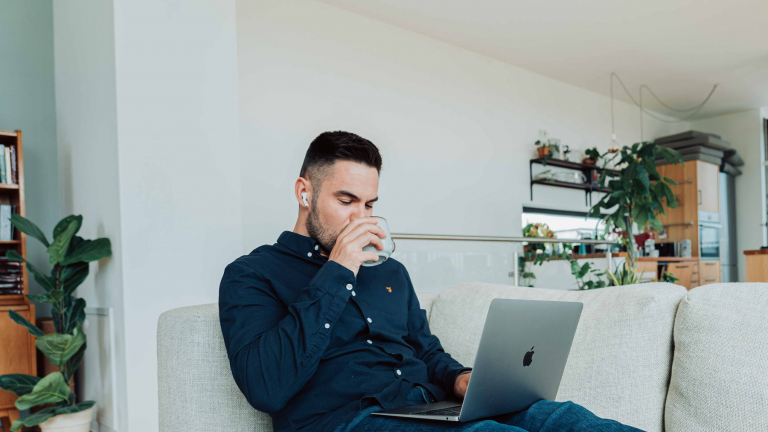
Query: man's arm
(441, 367)
(272, 355)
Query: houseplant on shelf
(546, 149)
(636, 193)
(592, 156)
(70, 255)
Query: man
(320, 342)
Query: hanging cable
(642, 110)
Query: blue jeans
(542, 416)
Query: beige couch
(652, 356)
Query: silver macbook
(520, 360)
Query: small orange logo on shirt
(389, 289)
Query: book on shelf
(6, 228)
(14, 175)
(11, 281)
(8, 165)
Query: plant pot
(543, 151)
(76, 422)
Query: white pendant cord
(695, 109)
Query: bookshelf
(21, 357)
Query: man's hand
(460, 387)
(348, 250)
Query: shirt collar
(303, 246)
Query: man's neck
(301, 228)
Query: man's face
(347, 192)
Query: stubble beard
(323, 235)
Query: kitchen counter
(756, 252)
(757, 265)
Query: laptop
(520, 360)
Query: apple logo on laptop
(528, 358)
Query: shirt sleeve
(275, 349)
(441, 367)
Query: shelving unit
(588, 171)
(18, 346)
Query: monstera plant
(69, 254)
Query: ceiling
(680, 48)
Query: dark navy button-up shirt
(311, 344)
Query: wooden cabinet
(17, 346)
(707, 180)
(17, 342)
(709, 272)
(696, 189)
(757, 265)
(682, 271)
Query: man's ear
(303, 192)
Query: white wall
(87, 144)
(180, 184)
(27, 102)
(160, 161)
(744, 130)
(455, 128)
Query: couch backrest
(196, 388)
(621, 356)
(720, 371)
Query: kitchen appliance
(684, 248)
(729, 257)
(709, 235)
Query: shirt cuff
(450, 380)
(335, 279)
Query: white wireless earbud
(304, 198)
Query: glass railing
(436, 262)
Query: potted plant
(635, 194)
(70, 255)
(546, 149)
(592, 156)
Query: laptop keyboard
(452, 411)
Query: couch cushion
(620, 360)
(720, 371)
(195, 385)
(426, 300)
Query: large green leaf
(60, 347)
(74, 315)
(20, 384)
(41, 278)
(63, 224)
(27, 227)
(18, 319)
(58, 249)
(35, 419)
(51, 389)
(91, 251)
(74, 362)
(642, 175)
(82, 406)
(73, 275)
(671, 199)
(40, 298)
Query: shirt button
(349, 287)
(353, 294)
(398, 372)
(369, 342)
(327, 325)
(317, 247)
(309, 254)
(370, 320)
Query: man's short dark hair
(330, 147)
